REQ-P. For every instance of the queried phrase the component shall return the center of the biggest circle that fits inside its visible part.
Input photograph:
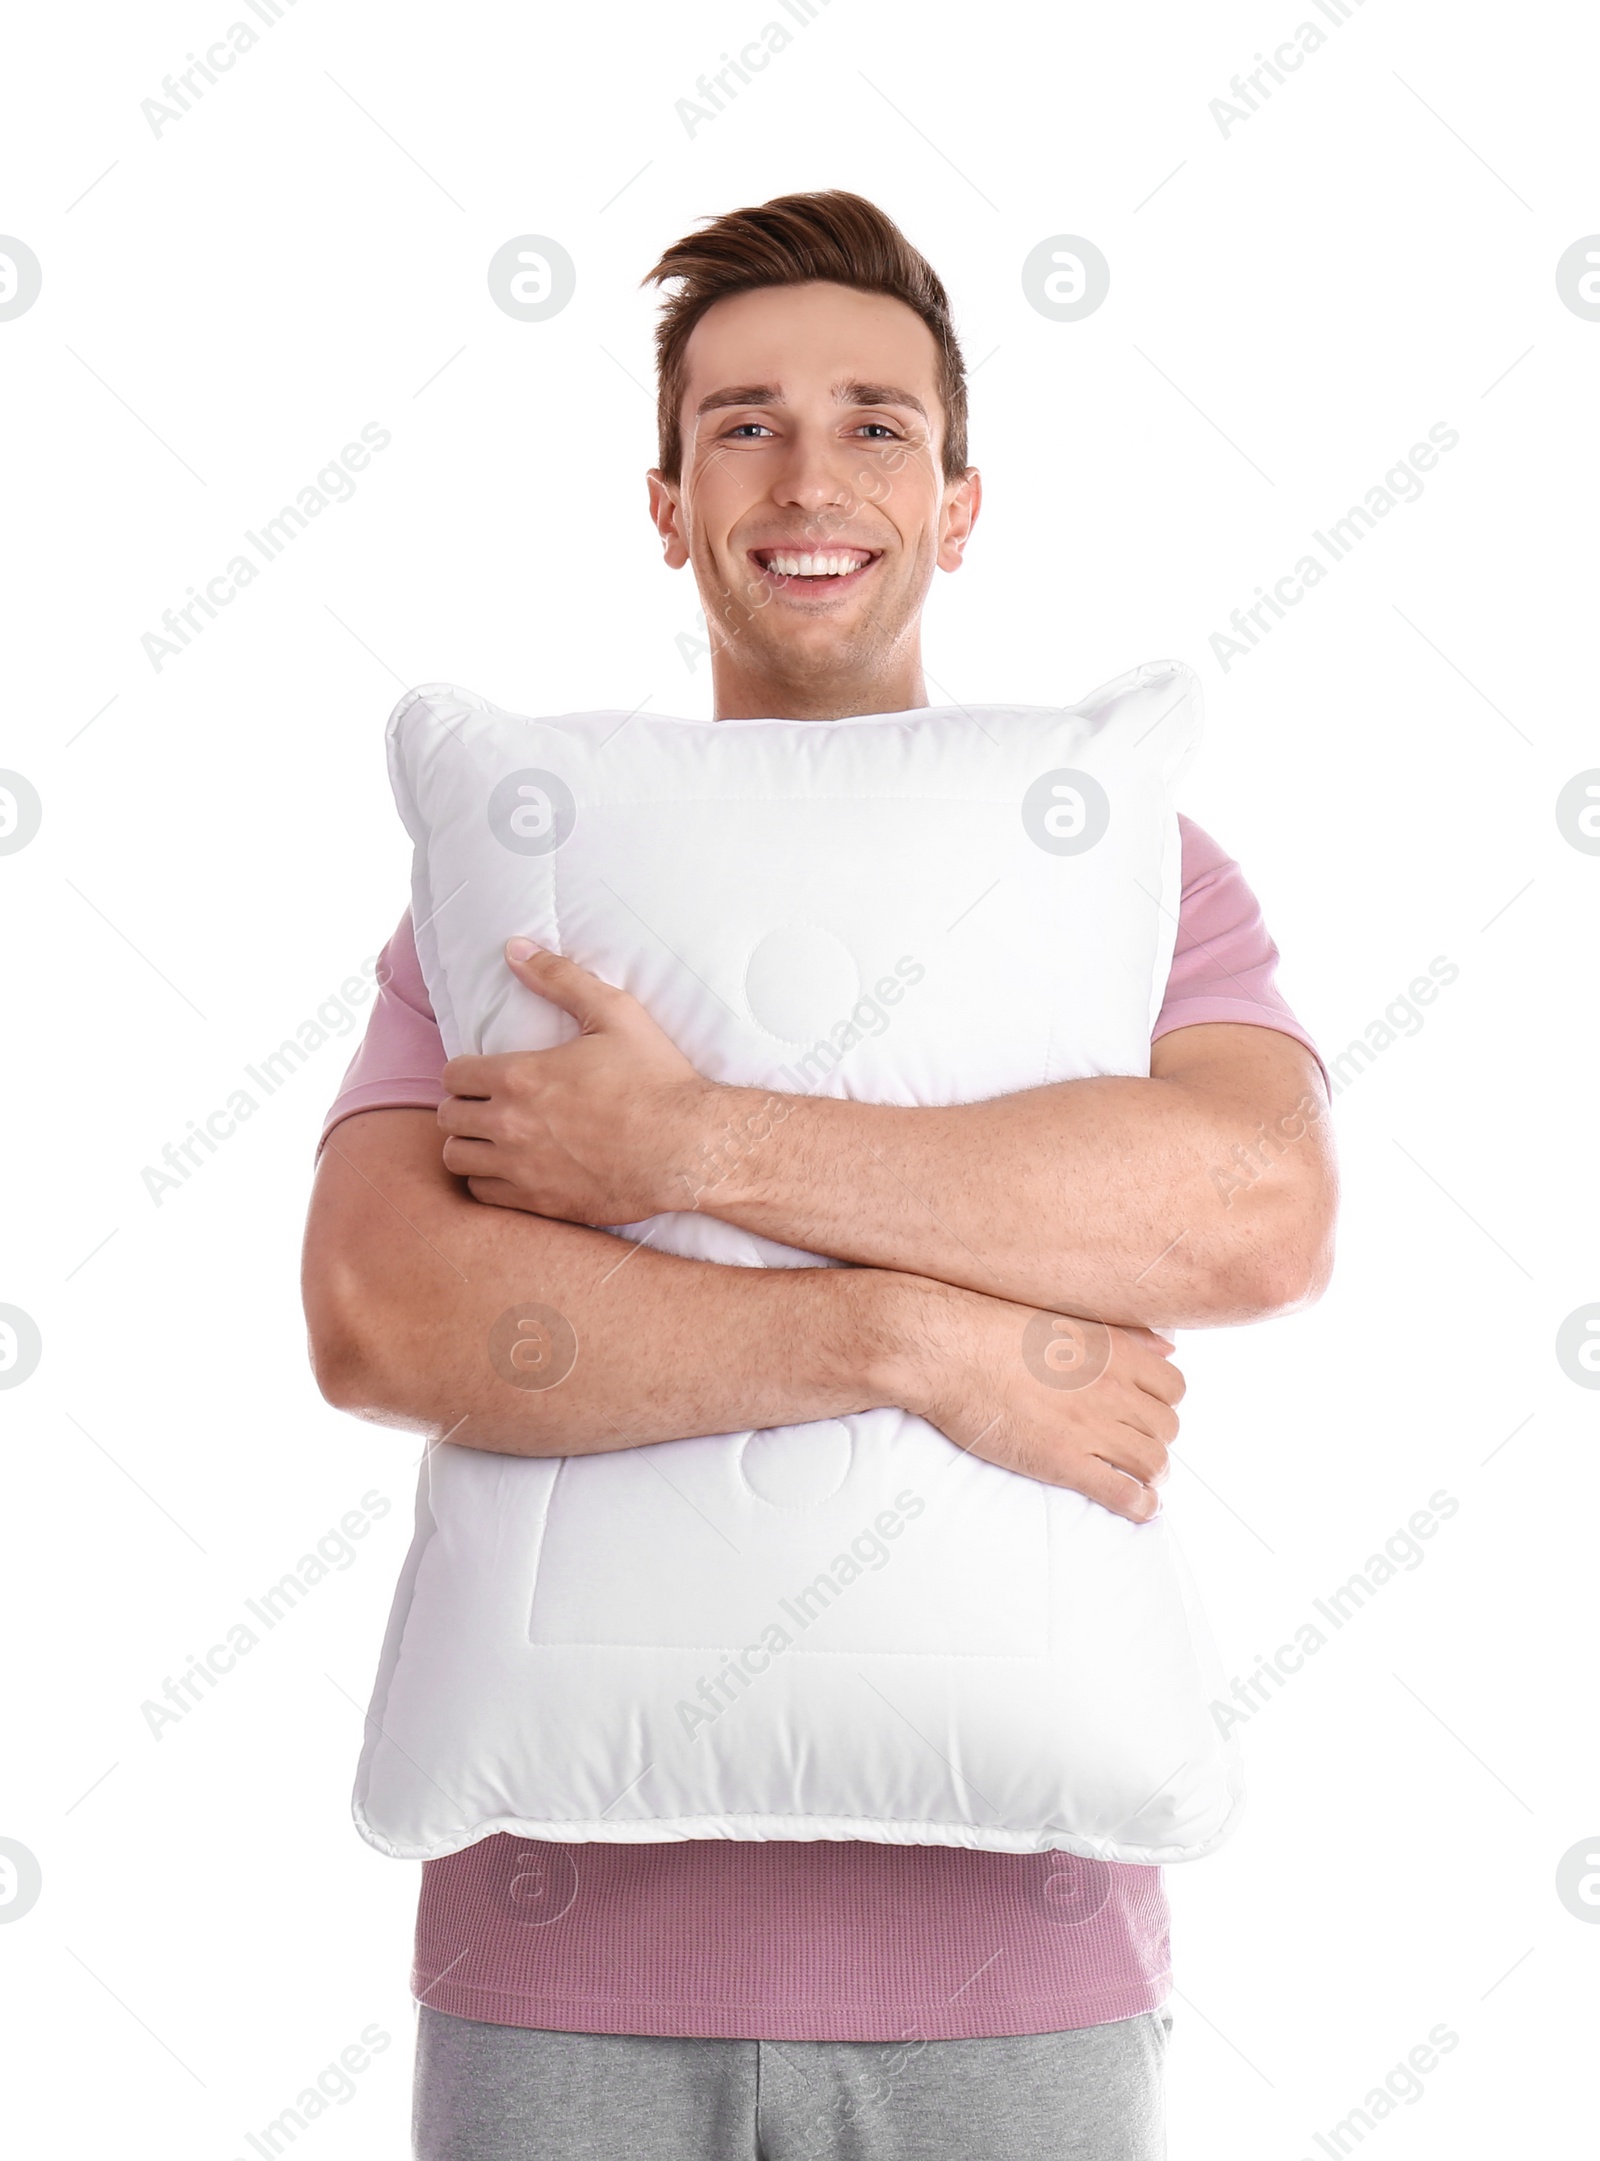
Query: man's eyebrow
(843, 393)
(878, 394)
(740, 394)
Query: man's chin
(812, 652)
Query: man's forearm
(504, 1332)
(1171, 1201)
(1200, 1195)
(498, 1329)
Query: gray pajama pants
(516, 2093)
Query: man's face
(811, 502)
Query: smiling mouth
(814, 572)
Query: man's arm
(1199, 1197)
(407, 1277)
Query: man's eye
(740, 426)
(883, 428)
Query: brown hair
(793, 240)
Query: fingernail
(520, 949)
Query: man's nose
(814, 475)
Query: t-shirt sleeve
(1224, 966)
(400, 1060)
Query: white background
(1292, 305)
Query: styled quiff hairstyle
(794, 240)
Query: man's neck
(741, 694)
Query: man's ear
(666, 515)
(958, 516)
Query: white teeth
(813, 566)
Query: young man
(788, 2000)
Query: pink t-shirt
(791, 1940)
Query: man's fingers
(485, 1073)
(468, 1158)
(462, 1112)
(1156, 1378)
(1100, 1481)
(1153, 1421)
(1141, 1455)
(494, 1192)
(562, 981)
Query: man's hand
(603, 1129)
(1067, 1402)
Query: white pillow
(849, 1629)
